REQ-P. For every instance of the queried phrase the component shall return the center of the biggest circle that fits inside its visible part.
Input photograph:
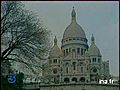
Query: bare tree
(24, 37)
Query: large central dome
(74, 29)
(74, 38)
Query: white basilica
(75, 61)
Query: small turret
(73, 14)
(55, 50)
(55, 41)
(93, 50)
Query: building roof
(74, 29)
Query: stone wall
(72, 87)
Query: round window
(95, 70)
(54, 70)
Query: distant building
(75, 61)
(74, 66)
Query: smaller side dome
(93, 50)
(55, 50)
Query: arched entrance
(82, 79)
(74, 79)
(66, 80)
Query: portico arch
(66, 80)
(82, 79)
(74, 79)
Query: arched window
(90, 60)
(67, 70)
(55, 70)
(84, 51)
(81, 51)
(66, 80)
(55, 61)
(74, 65)
(73, 50)
(69, 49)
(78, 50)
(81, 69)
(67, 65)
(66, 51)
(73, 38)
(94, 59)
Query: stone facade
(75, 61)
(74, 66)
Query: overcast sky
(99, 18)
